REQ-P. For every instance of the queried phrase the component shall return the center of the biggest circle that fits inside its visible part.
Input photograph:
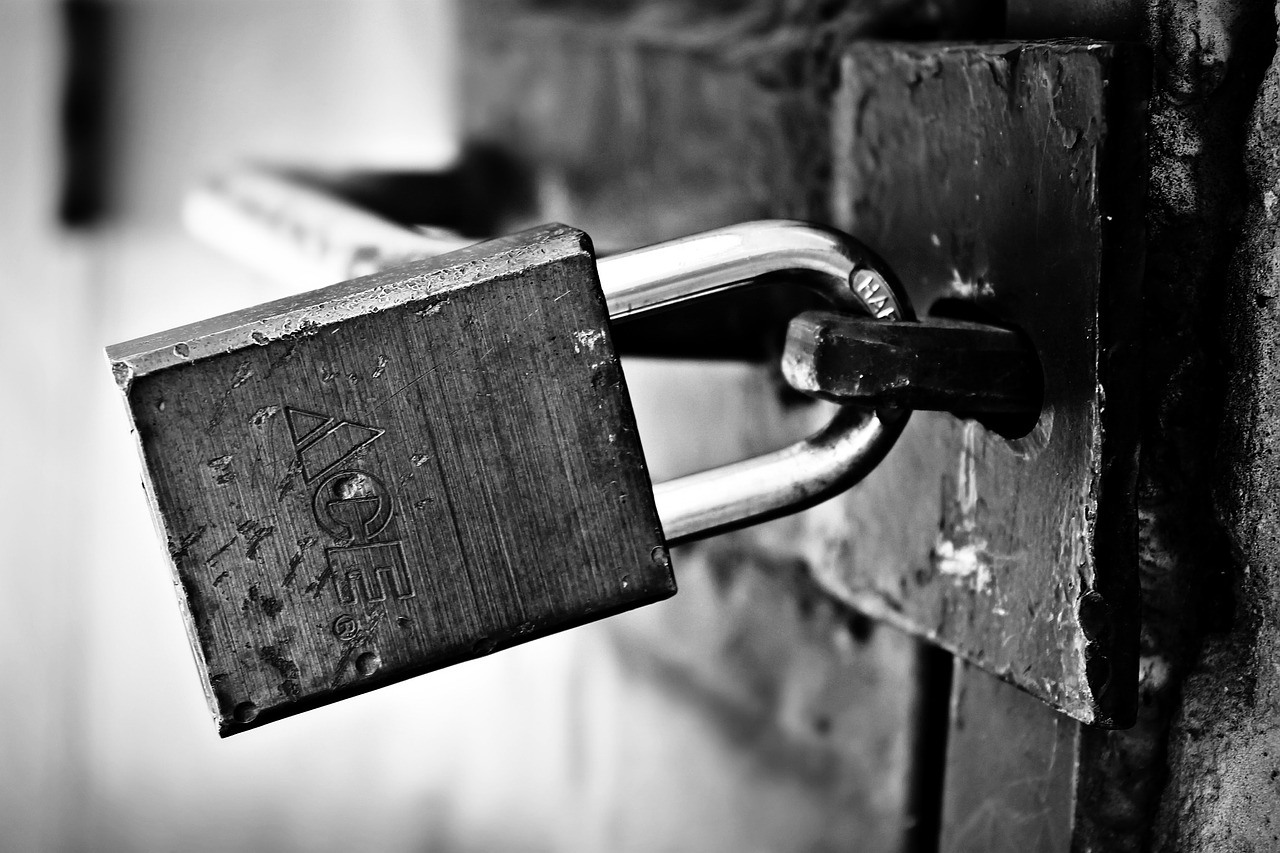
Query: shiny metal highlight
(809, 471)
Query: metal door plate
(1006, 181)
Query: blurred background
(109, 112)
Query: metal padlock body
(396, 473)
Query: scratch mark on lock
(587, 338)
(295, 559)
(254, 534)
(958, 550)
(970, 561)
(243, 374)
(213, 558)
(414, 381)
(263, 415)
(286, 483)
(970, 289)
(179, 551)
(591, 339)
(221, 468)
(967, 477)
(318, 583)
(281, 360)
(538, 308)
(268, 437)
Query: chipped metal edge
(307, 313)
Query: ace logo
(353, 507)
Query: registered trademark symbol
(345, 627)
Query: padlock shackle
(665, 274)
(809, 471)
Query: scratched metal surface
(394, 474)
(1004, 177)
(1015, 764)
(1007, 178)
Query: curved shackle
(815, 468)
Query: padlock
(411, 469)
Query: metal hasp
(970, 369)
(1006, 181)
